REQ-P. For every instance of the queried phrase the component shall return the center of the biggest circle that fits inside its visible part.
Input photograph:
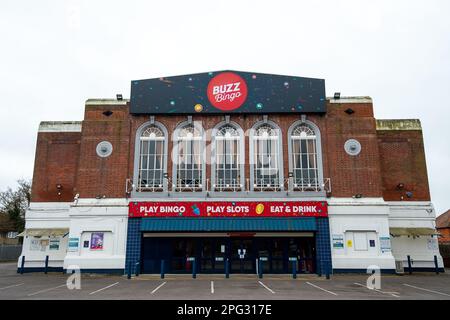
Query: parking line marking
(46, 290)
(111, 285)
(394, 294)
(317, 287)
(212, 286)
(432, 291)
(266, 287)
(11, 286)
(157, 288)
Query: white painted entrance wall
(366, 217)
(109, 216)
(422, 249)
(45, 215)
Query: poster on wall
(54, 244)
(338, 241)
(73, 244)
(44, 244)
(385, 244)
(97, 241)
(432, 244)
(35, 245)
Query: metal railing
(289, 185)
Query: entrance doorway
(211, 254)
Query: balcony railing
(289, 185)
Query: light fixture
(59, 188)
(349, 111)
(358, 196)
(400, 186)
(119, 97)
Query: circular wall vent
(352, 147)
(104, 149)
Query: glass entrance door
(242, 255)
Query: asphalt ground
(52, 286)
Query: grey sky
(56, 54)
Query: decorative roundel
(352, 147)
(104, 149)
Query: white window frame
(296, 185)
(137, 158)
(239, 185)
(175, 157)
(279, 160)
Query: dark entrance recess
(211, 254)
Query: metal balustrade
(289, 185)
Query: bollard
(194, 272)
(46, 265)
(327, 274)
(227, 269)
(129, 270)
(162, 269)
(294, 269)
(436, 264)
(409, 265)
(22, 265)
(137, 268)
(260, 271)
(320, 268)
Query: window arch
(150, 158)
(266, 157)
(228, 158)
(305, 157)
(188, 158)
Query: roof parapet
(355, 99)
(399, 124)
(60, 126)
(106, 102)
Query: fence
(10, 252)
(444, 249)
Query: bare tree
(14, 203)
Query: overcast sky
(56, 54)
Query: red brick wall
(55, 163)
(402, 159)
(351, 175)
(71, 160)
(98, 176)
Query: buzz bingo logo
(227, 91)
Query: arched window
(305, 157)
(151, 157)
(188, 161)
(266, 157)
(227, 158)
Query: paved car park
(422, 286)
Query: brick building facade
(378, 202)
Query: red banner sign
(229, 209)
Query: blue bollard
(129, 270)
(260, 271)
(294, 269)
(194, 271)
(162, 269)
(46, 265)
(22, 265)
(320, 268)
(227, 269)
(436, 264)
(137, 268)
(409, 265)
